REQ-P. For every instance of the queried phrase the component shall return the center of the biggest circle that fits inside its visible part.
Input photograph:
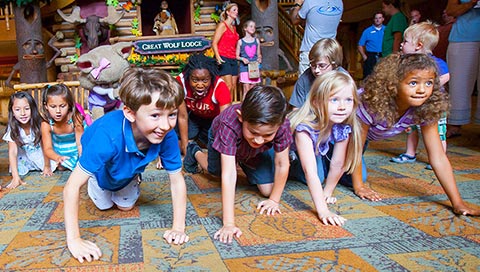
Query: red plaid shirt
(228, 138)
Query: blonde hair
(327, 48)
(425, 33)
(314, 113)
(224, 15)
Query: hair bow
(104, 63)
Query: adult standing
(321, 17)
(370, 43)
(224, 45)
(393, 35)
(463, 58)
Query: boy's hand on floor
(367, 193)
(83, 249)
(268, 206)
(226, 233)
(176, 237)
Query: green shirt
(398, 23)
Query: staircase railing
(6, 14)
(290, 35)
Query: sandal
(403, 158)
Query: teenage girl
(63, 129)
(24, 139)
(328, 116)
(402, 91)
(248, 50)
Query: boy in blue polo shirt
(118, 147)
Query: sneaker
(190, 164)
(403, 158)
(292, 156)
(429, 167)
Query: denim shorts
(262, 173)
(229, 67)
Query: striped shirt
(228, 138)
(378, 128)
(65, 145)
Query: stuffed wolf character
(101, 69)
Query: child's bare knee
(265, 189)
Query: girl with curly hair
(404, 90)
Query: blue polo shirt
(110, 153)
(372, 39)
(441, 65)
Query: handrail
(35, 89)
(288, 2)
(290, 35)
(6, 14)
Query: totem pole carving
(31, 52)
(265, 15)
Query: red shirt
(208, 107)
(227, 45)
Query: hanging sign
(171, 45)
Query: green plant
(111, 2)
(78, 41)
(214, 16)
(196, 15)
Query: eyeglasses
(321, 66)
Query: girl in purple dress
(326, 119)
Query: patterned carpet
(412, 229)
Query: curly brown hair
(381, 89)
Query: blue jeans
(198, 128)
(323, 166)
(262, 173)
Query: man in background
(370, 43)
(321, 17)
